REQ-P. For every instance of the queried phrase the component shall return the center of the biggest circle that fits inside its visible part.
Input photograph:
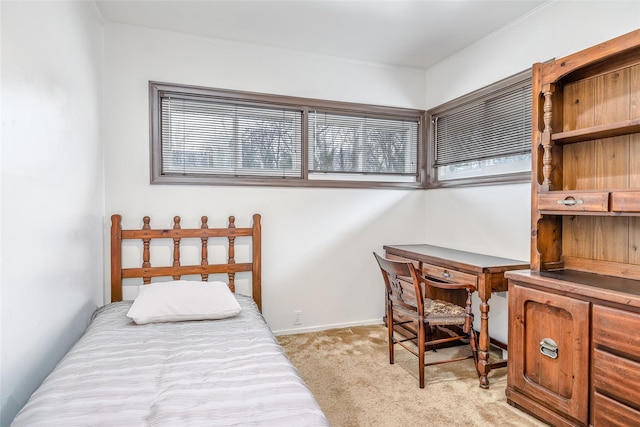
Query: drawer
(625, 201)
(572, 201)
(616, 329)
(608, 412)
(616, 377)
(448, 275)
(399, 258)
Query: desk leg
(483, 346)
(484, 293)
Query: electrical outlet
(297, 317)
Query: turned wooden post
(547, 143)
(232, 254)
(145, 250)
(205, 249)
(176, 246)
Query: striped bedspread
(229, 372)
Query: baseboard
(327, 327)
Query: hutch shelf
(574, 317)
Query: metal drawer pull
(446, 274)
(549, 348)
(570, 201)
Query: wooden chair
(425, 314)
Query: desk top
(457, 259)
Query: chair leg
(390, 329)
(421, 346)
(390, 334)
(428, 330)
(474, 348)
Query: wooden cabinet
(574, 356)
(582, 295)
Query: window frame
(520, 79)
(158, 89)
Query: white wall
(317, 243)
(496, 219)
(52, 187)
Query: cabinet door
(549, 350)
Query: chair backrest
(395, 274)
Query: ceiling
(411, 33)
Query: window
(362, 148)
(483, 137)
(211, 136)
(215, 138)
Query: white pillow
(181, 300)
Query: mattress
(229, 372)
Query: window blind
(494, 126)
(341, 143)
(205, 137)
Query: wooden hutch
(574, 318)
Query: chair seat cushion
(437, 312)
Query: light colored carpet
(349, 373)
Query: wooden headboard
(177, 233)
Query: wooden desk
(486, 272)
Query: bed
(229, 371)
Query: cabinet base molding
(538, 410)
